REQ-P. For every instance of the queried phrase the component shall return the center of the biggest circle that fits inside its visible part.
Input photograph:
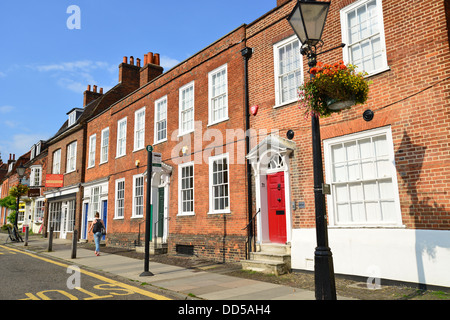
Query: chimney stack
(129, 73)
(151, 68)
(90, 96)
(11, 159)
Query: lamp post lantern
(308, 20)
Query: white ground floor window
(62, 216)
(361, 170)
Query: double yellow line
(94, 275)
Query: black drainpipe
(247, 53)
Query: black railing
(251, 235)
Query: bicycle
(14, 234)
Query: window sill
(377, 72)
(365, 226)
(190, 214)
(180, 134)
(284, 104)
(219, 212)
(139, 149)
(159, 142)
(217, 122)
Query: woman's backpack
(98, 226)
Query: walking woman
(96, 227)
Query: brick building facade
(68, 158)
(190, 115)
(388, 211)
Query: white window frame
(211, 184)
(389, 161)
(117, 213)
(92, 145)
(71, 157)
(32, 152)
(38, 148)
(135, 195)
(56, 166)
(180, 190)
(185, 108)
(345, 37)
(212, 97)
(276, 54)
(70, 218)
(39, 210)
(72, 118)
(121, 140)
(104, 150)
(139, 130)
(94, 202)
(35, 170)
(159, 119)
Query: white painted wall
(418, 256)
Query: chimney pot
(101, 90)
(150, 57)
(156, 59)
(89, 87)
(145, 59)
(138, 62)
(132, 60)
(95, 88)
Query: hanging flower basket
(332, 89)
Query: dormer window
(38, 148)
(33, 152)
(74, 114)
(72, 118)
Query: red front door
(277, 207)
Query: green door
(160, 226)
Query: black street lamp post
(308, 20)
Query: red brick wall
(75, 176)
(199, 229)
(72, 178)
(418, 56)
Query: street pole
(323, 259)
(17, 212)
(148, 212)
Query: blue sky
(45, 66)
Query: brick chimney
(151, 68)
(12, 158)
(129, 73)
(90, 96)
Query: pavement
(188, 283)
